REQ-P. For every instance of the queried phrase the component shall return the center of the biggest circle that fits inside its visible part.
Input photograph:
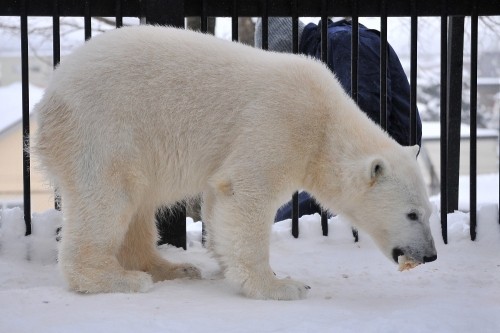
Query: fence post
(473, 124)
(454, 107)
(443, 143)
(171, 221)
(25, 116)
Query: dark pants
(307, 206)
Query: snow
(354, 287)
(431, 130)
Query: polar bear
(146, 116)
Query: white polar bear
(145, 116)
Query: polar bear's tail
(52, 140)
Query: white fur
(146, 116)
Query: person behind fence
(339, 61)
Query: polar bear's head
(389, 201)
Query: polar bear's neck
(350, 138)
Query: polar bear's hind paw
(168, 271)
(112, 282)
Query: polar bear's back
(147, 71)
(148, 62)
(134, 94)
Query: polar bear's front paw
(134, 281)
(277, 289)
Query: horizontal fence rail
(174, 12)
(250, 8)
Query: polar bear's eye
(412, 216)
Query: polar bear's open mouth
(396, 252)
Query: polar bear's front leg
(240, 230)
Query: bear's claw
(188, 271)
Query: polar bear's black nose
(431, 258)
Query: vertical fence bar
(354, 51)
(265, 25)
(383, 64)
(204, 29)
(324, 222)
(295, 215)
(234, 22)
(295, 49)
(204, 17)
(413, 73)
(56, 58)
(26, 116)
(324, 58)
(118, 14)
(354, 68)
(295, 28)
(454, 106)
(444, 123)
(56, 35)
(473, 123)
(87, 23)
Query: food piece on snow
(406, 263)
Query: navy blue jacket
(339, 61)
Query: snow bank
(40, 246)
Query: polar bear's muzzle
(397, 252)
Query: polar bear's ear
(378, 167)
(414, 150)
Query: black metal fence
(174, 12)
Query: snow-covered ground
(354, 287)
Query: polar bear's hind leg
(90, 241)
(139, 251)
